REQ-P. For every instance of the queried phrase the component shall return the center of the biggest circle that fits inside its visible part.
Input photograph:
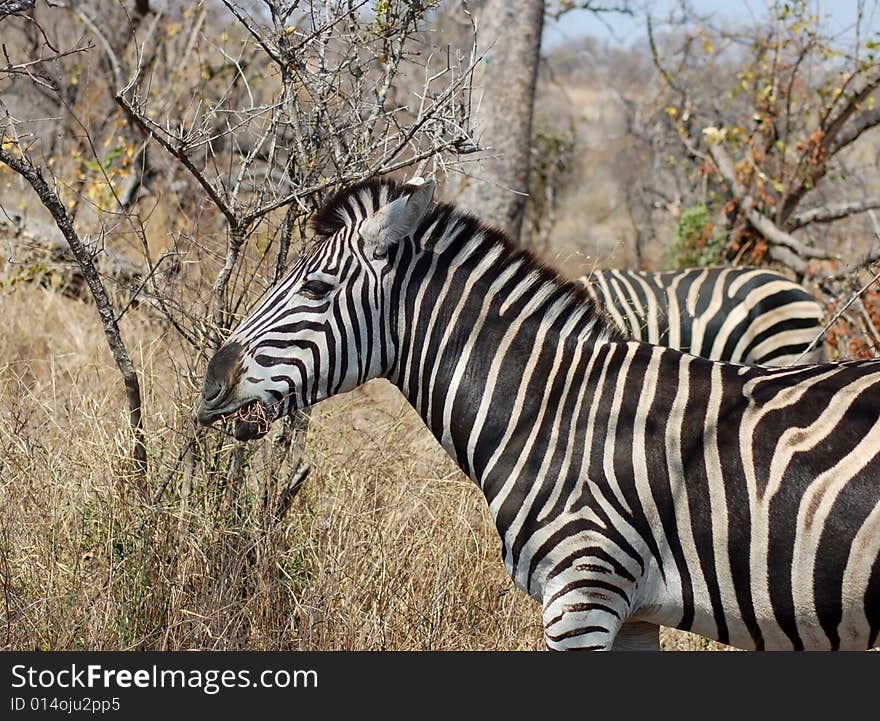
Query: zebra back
(743, 315)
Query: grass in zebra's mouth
(252, 421)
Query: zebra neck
(482, 336)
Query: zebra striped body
(632, 485)
(744, 315)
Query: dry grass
(388, 546)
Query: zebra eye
(316, 289)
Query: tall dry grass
(388, 545)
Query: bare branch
(12, 7)
(832, 212)
(41, 79)
(178, 151)
(850, 269)
(34, 176)
(22, 68)
(688, 142)
(829, 130)
(853, 105)
(353, 177)
(272, 52)
(655, 58)
(853, 130)
(858, 294)
(112, 58)
(788, 258)
(624, 8)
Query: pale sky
(840, 16)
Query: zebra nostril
(212, 391)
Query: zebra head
(323, 329)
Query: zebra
(632, 485)
(743, 315)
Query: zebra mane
(355, 201)
(361, 199)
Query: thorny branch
(308, 127)
(319, 98)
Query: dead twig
(856, 296)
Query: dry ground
(388, 546)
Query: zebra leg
(584, 615)
(637, 636)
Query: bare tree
(314, 96)
(776, 138)
(758, 147)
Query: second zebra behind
(742, 315)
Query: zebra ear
(396, 220)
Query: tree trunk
(509, 36)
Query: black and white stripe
(632, 485)
(743, 315)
